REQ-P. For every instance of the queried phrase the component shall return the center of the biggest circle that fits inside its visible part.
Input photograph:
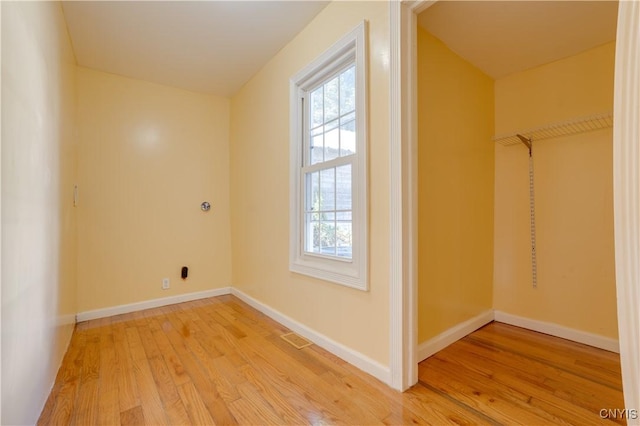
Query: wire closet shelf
(553, 130)
(558, 129)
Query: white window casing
(310, 213)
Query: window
(329, 165)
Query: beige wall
(455, 186)
(260, 189)
(148, 156)
(38, 218)
(573, 189)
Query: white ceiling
(503, 37)
(206, 46)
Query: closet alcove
(488, 72)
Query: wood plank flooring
(218, 361)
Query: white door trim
(403, 241)
(626, 184)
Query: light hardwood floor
(220, 361)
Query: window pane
(327, 216)
(313, 192)
(315, 242)
(331, 100)
(343, 187)
(344, 247)
(331, 141)
(316, 146)
(327, 189)
(341, 216)
(348, 117)
(348, 90)
(328, 237)
(348, 138)
(310, 221)
(316, 108)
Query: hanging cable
(532, 213)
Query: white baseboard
(452, 335)
(556, 330)
(147, 304)
(68, 319)
(364, 363)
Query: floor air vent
(296, 340)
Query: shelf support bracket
(525, 141)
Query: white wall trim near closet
(403, 188)
(363, 362)
(148, 304)
(626, 199)
(459, 331)
(557, 330)
(453, 334)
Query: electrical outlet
(165, 283)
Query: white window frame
(352, 48)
